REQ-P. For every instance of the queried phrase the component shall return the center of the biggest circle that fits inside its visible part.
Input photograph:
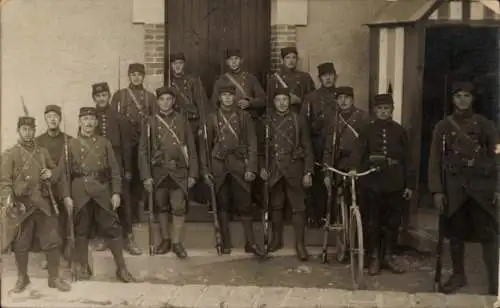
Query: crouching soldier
(172, 169)
(95, 186)
(25, 182)
(383, 143)
(290, 171)
(467, 189)
(232, 140)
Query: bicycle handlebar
(356, 175)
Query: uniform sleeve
(360, 148)
(259, 99)
(193, 154)
(252, 144)
(305, 111)
(142, 155)
(309, 84)
(63, 185)
(408, 162)
(6, 176)
(215, 92)
(307, 145)
(328, 150)
(116, 179)
(435, 160)
(204, 105)
(493, 141)
(206, 143)
(117, 101)
(125, 143)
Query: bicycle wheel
(356, 248)
(342, 229)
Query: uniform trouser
(382, 213)
(44, 229)
(62, 221)
(283, 191)
(107, 222)
(170, 198)
(317, 198)
(125, 209)
(136, 188)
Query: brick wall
(154, 45)
(281, 36)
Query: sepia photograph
(250, 153)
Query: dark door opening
(457, 53)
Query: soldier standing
(113, 126)
(470, 193)
(26, 178)
(175, 169)
(96, 186)
(134, 103)
(383, 143)
(318, 106)
(290, 171)
(233, 148)
(299, 83)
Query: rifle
(151, 144)
(265, 203)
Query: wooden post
(497, 303)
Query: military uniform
(134, 102)
(384, 144)
(113, 126)
(290, 160)
(95, 177)
(299, 83)
(233, 152)
(471, 166)
(174, 160)
(35, 219)
(317, 108)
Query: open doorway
(457, 53)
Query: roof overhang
(404, 12)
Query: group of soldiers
(135, 143)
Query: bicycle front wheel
(342, 224)
(356, 248)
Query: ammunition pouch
(21, 188)
(299, 153)
(382, 161)
(240, 152)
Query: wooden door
(203, 29)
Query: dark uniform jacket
(250, 90)
(471, 162)
(113, 126)
(233, 146)
(95, 173)
(346, 131)
(191, 97)
(318, 108)
(384, 143)
(135, 104)
(174, 151)
(290, 149)
(299, 83)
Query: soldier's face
(344, 102)
(227, 99)
(234, 62)
(88, 123)
(177, 66)
(53, 120)
(136, 78)
(383, 112)
(166, 102)
(290, 60)
(463, 100)
(328, 79)
(102, 99)
(282, 103)
(26, 133)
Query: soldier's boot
(99, 244)
(389, 260)
(131, 246)
(457, 279)
(225, 233)
(374, 268)
(250, 245)
(277, 231)
(178, 223)
(490, 258)
(80, 257)
(53, 259)
(299, 224)
(166, 244)
(122, 273)
(22, 272)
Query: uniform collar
(348, 113)
(102, 109)
(28, 145)
(53, 134)
(165, 114)
(284, 69)
(134, 87)
(463, 114)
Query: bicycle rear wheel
(342, 229)
(356, 249)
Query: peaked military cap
(349, 91)
(234, 52)
(177, 56)
(325, 68)
(136, 67)
(462, 86)
(227, 89)
(285, 51)
(100, 87)
(84, 111)
(53, 108)
(282, 91)
(30, 121)
(165, 90)
(383, 99)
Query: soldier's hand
(439, 201)
(209, 179)
(407, 194)
(307, 180)
(249, 176)
(328, 182)
(128, 176)
(295, 99)
(68, 203)
(191, 182)
(352, 172)
(115, 201)
(243, 103)
(45, 174)
(148, 185)
(263, 174)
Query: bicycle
(353, 238)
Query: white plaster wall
(53, 50)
